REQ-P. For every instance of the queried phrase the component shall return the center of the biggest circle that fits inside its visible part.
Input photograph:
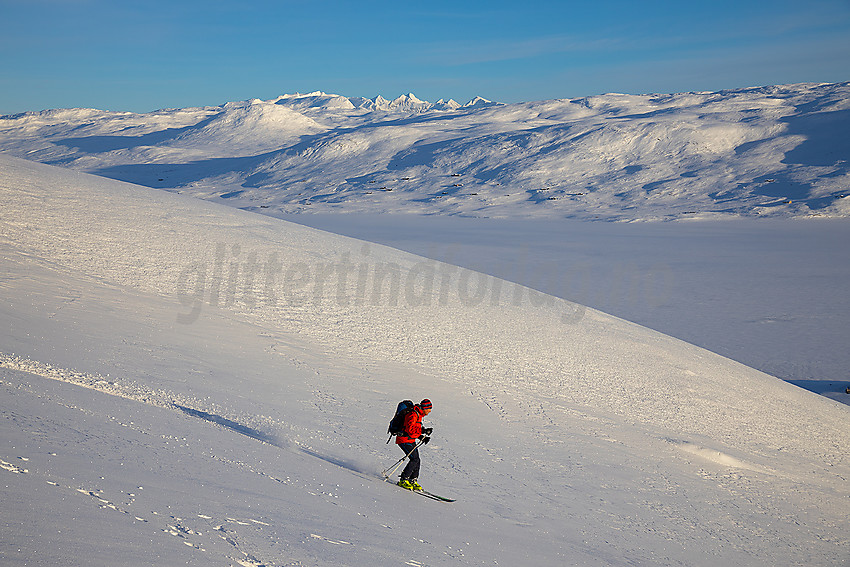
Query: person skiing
(413, 431)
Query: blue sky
(144, 55)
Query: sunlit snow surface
(190, 383)
(766, 151)
(768, 293)
(512, 175)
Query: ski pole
(386, 473)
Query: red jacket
(412, 426)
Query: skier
(413, 430)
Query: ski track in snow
(198, 531)
(169, 400)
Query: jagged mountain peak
(409, 102)
(479, 102)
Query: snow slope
(772, 297)
(190, 383)
(769, 293)
(766, 151)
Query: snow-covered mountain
(188, 383)
(319, 100)
(769, 151)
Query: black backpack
(397, 422)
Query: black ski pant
(412, 469)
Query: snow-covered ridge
(766, 151)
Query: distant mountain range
(766, 151)
(404, 103)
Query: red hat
(425, 404)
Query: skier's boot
(405, 483)
(414, 485)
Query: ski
(424, 493)
(433, 496)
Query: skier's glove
(427, 430)
(425, 440)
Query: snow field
(251, 409)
